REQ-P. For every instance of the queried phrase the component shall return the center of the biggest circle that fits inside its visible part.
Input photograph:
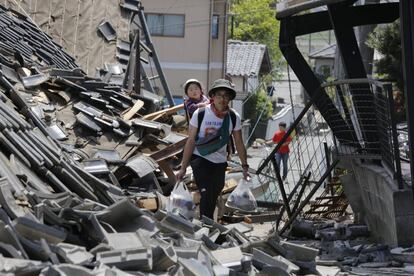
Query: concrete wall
(376, 200)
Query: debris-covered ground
(86, 168)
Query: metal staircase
(315, 152)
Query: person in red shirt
(283, 153)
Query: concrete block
(128, 259)
(242, 238)
(163, 257)
(229, 257)
(403, 255)
(220, 270)
(387, 211)
(74, 254)
(242, 227)
(187, 253)
(261, 245)
(276, 247)
(300, 252)
(192, 267)
(261, 260)
(232, 241)
(175, 223)
(102, 247)
(124, 216)
(201, 232)
(16, 266)
(327, 270)
(119, 241)
(187, 242)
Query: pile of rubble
(348, 249)
(92, 239)
(81, 156)
(85, 170)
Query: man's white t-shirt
(210, 125)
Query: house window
(215, 26)
(166, 24)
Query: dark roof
(327, 52)
(247, 58)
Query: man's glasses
(222, 96)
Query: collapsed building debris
(86, 166)
(79, 157)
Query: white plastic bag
(181, 201)
(242, 198)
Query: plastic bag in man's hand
(242, 198)
(181, 201)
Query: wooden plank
(133, 110)
(229, 186)
(169, 151)
(164, 112)
(148, 203)
(168, 171)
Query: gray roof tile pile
(20, 35)
(244, 58)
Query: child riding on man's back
(195, 97)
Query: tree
(255, 20)
(386, 39)
(259, 104)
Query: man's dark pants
(210, 178)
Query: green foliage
(255, 104)
(386, 39)
(255, 21)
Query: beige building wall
(238, 83)
(195, 55)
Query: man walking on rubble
(282, 155)
(206, 148)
